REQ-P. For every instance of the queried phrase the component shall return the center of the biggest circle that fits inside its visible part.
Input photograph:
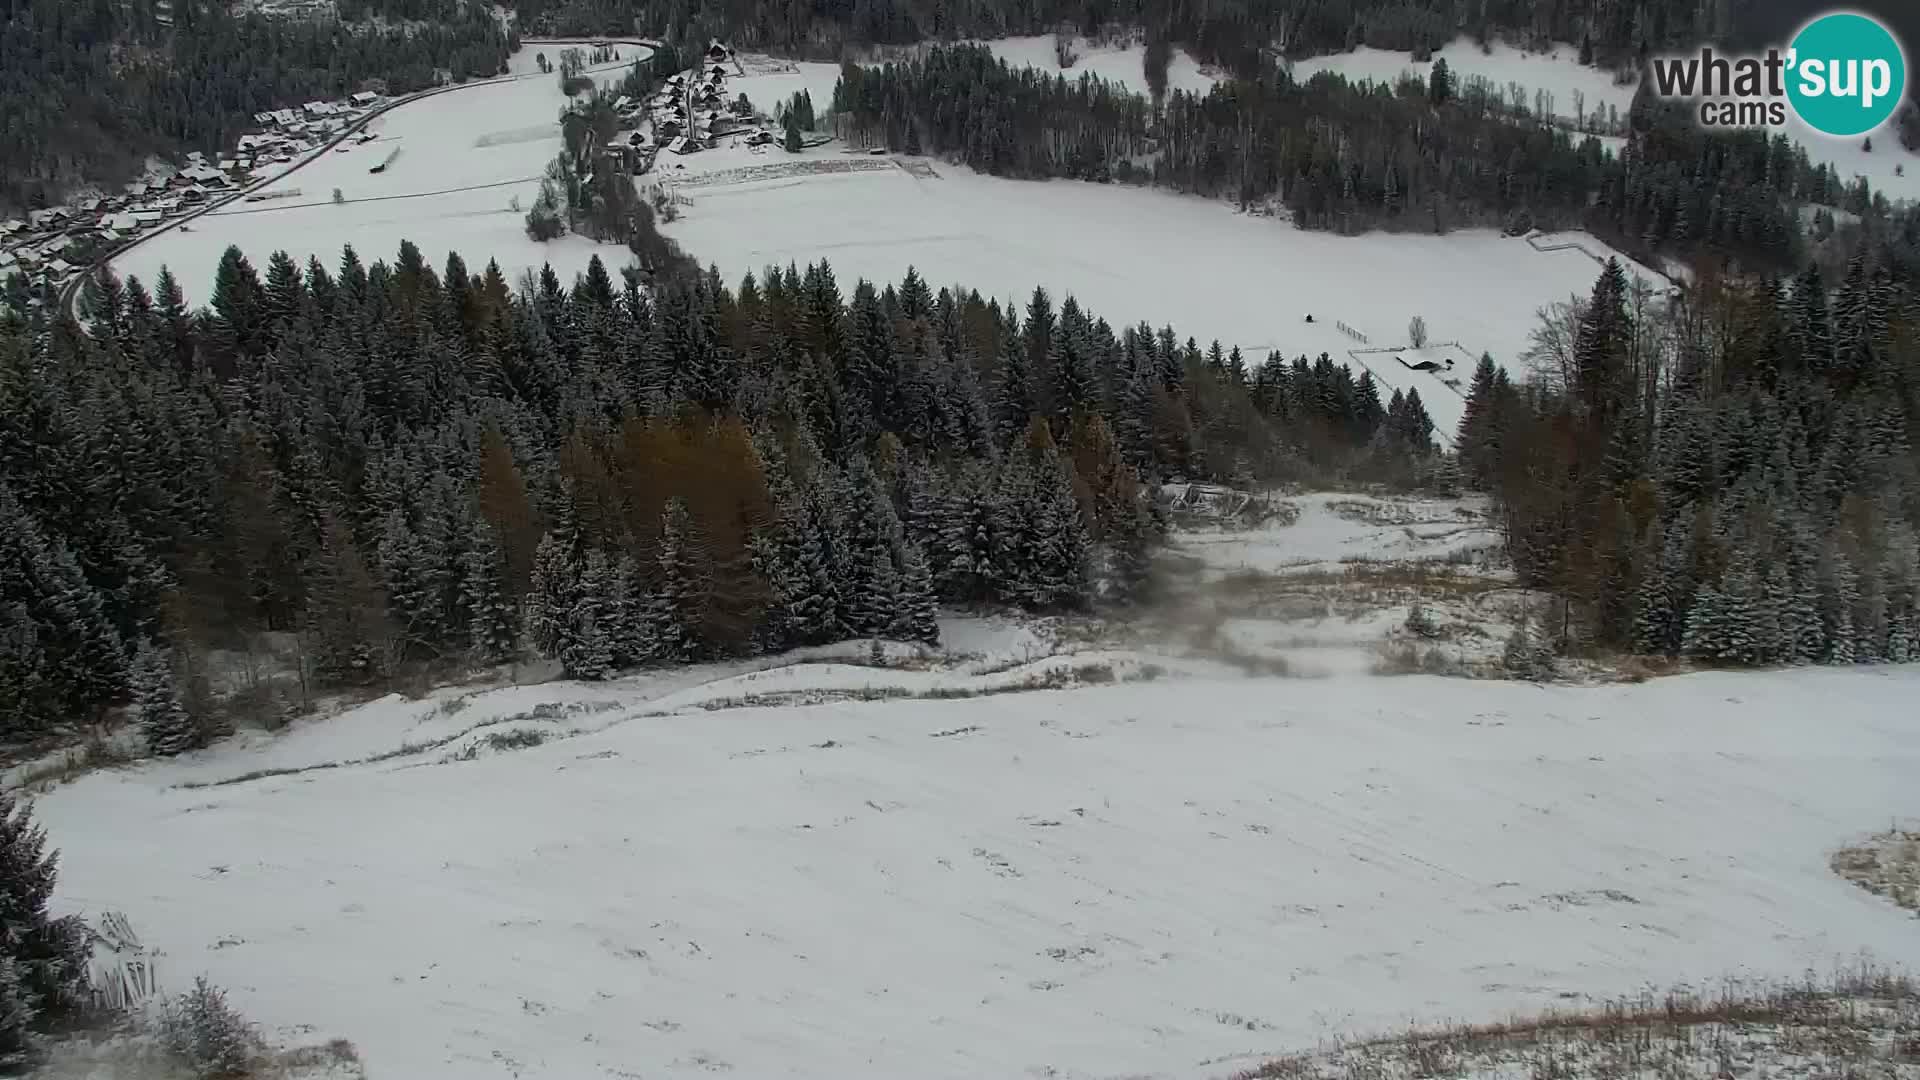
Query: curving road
(70, 292)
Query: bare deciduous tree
(1417, 332)
(1548, 359)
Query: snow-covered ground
(1560, 74)
(465, 158)
(1122, 66)
(1323, 585)
(1113, 247)
(1054, 848)
(1335, 529)
(1165, 879)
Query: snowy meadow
(1171, 878)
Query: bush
(1421, 624)
(208, 1035)
(1526, 656)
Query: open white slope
(1169, 879)
(1122, 66)
(1133, 254)
(465, 158)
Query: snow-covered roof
(365, 97)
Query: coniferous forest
(87, 91)
(1345, 157)
(403, 470)
(1732, 479)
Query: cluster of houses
(49, 247)
(689, 113)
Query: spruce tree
(492, 633)
(162, 718)
(587, 652)
(549, 605)
(681, 602)
(916, 617)
(43, 959)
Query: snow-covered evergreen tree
(163, 720)
(587, 651)
(629, 615)
(684, 586)
(916, 616)
(549, 604)
(808, 589)
(43, 960)
(413, 601)
(492, 630)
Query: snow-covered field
(465, 157)
(1114, 248)
(1165, 879)
(1045, 849)
(1560, 74)
(1122, 66)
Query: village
(690, 113)
(50, 247)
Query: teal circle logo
(1848, 74)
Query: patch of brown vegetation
(1859, 1023)
(1886, 864)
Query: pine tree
(812, 601)
(587, 652)
(43, 960)
(916, 616)
(162, 718)
(628, 616)
(1013, 400)
(684, 586)
(492, 633)
(549, 605)
(1474, 439)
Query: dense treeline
(87, 91)
(399, 469)
(1426, 155)
(1232, 34)
(1732, 478)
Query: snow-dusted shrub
(208, 1035)
(1526, 656)
(1421, 624)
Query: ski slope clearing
(465, 158)
(1326, 584)
(1247, 281)
(1325, 530)
(1560, 75)
(1123, 66)
(1179, 878)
